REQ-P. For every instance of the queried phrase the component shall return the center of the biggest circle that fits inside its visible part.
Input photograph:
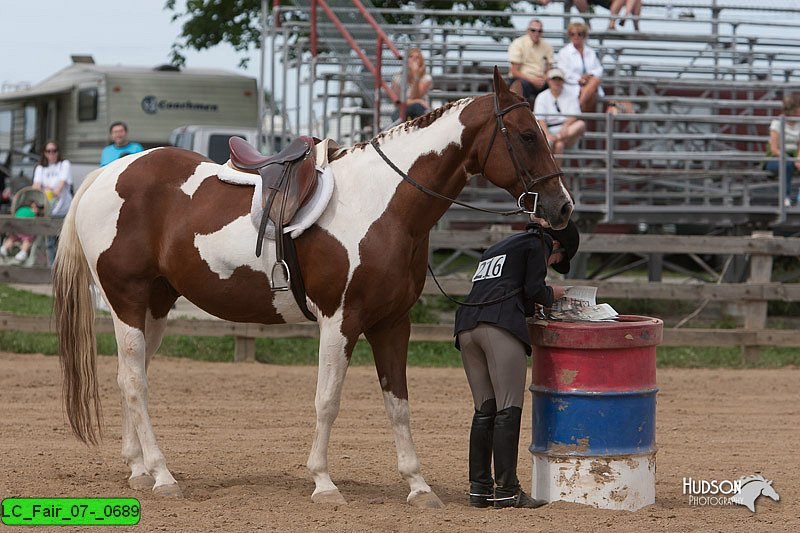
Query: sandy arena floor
(236, 437)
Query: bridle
(499, 126)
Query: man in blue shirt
(120, 146)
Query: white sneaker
(21, 256)
(3, 252)
(787, 202)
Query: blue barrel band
(593, 424)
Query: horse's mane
(413, 125)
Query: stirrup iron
(282, 281)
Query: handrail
(375, 70)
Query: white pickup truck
(212, 141)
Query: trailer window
(87, 104)
(29, 131)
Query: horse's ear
(769, 483)
(499, 83)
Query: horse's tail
(73, 311)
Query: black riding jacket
(518, 263)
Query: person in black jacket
(492, 335)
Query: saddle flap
(301, 181)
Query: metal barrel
(594, 411)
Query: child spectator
(25, 241)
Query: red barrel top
(596, 356)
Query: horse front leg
(334, 357)
(390, 349)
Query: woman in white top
(791, 136)
(418, 83)
(581, 67)
(53, 175)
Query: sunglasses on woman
(578, 33)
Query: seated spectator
(418, 83)
(791, 133)
(633, 9)
(582, 69)
(561, 127)
(530, 57)
(24, 240)
(120, 145)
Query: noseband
(527, 185)
(499, 126)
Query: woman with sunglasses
(53, 175)
(581, 67)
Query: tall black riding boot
(508, 492)
(481, 485)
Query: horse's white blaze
(330, 378)
(233, 246)
(407, 461)
(204, 170)
(358, 202)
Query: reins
(433, 193)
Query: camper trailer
(77, 104)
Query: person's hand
(542, 222)
(797, 163)
(558, 292)
(538, 81)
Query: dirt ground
(236, 437)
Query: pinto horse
(159, 224)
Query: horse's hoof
(168, 491)
(329, 497)
(425, 500)
(142, 482)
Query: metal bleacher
(700, 83)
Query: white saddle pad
(305, 216)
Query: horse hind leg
(140, 478)
(334, 356)
(390, 349)
(145, 457)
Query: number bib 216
(490, 268)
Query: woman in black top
(494, 342)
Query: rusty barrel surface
(594, 411)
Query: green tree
(207, 23)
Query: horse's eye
(528, 136)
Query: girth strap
(296, 276)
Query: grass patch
(24, 303)
(429, 309)
(723, 357)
